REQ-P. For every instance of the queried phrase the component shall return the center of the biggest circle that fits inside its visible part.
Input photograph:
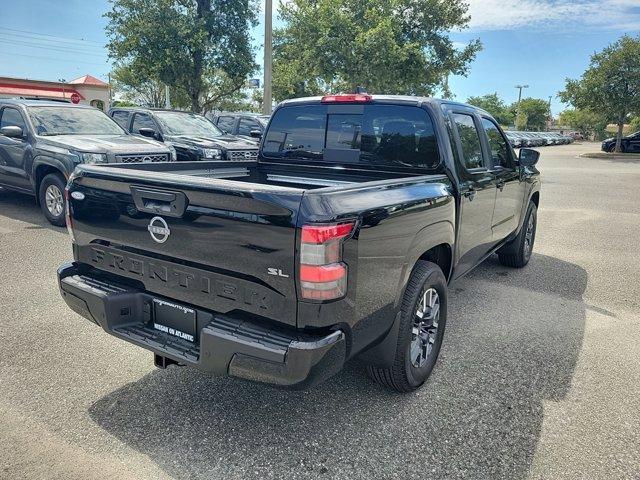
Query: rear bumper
(223, 345)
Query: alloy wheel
(425, 327)
(54, 200)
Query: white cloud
(566, 14)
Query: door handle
(470, 193)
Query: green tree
(533, 112)
(611, 84)
(493, 104)
(387, 46)
(590, 124)
(634, 124)
(183, 43)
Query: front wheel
(423, 318)
(51, 197)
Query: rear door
(477, 190)
(509, 189)
(13, 151)
(228, 248)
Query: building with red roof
(86, 90)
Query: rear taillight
(67, 214)
(323, 275)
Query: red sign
(75, 98)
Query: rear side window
(469, 140)
(12, 118)
(122, 119)
(226, 123)
(391, 135)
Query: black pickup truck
(339, 242)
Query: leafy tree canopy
(611, 84)
(493, 104)
(183, 43)
(585, 121)
(533, 113)
(387, 46)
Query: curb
(611, 156)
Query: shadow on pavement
(512, 343)
(22, 207)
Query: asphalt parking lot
(539, 376)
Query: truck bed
(275, 175)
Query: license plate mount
(174, 319)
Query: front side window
(11, 117)
(50, 121)
(226, 123)
(391, 135)
(142, 120)
(246, 125)
(500, 156)
(469, 140)
(121, 118)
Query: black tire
(517, 253)
(53, 183)
(404, 376)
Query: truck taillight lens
(323, 276)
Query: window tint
(246, 125)
(142, 120)
(121, 118)
(226, 124)
(470, 140)
(498, 145)
(369, 134)
(12, 118)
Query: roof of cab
(390, 99)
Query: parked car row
(41, 143)
(537, 139)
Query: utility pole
(167, 97)
(268, 57)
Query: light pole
(520, 87)
(268, 48)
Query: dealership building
(85, 90)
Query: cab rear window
(389, 135)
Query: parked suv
(42, 142)
(246, 125)
(193, 136)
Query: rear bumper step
(222, 344)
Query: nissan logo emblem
(159, 229)
(247, 154)
(146, 159)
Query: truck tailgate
(222, 245)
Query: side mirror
(528, 157)
(255, 133)
(12, 131)
(147, 132)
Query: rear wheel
(517, 253)
(51, 197)
(422, 322)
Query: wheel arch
(43, 167)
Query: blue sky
(534, 42)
